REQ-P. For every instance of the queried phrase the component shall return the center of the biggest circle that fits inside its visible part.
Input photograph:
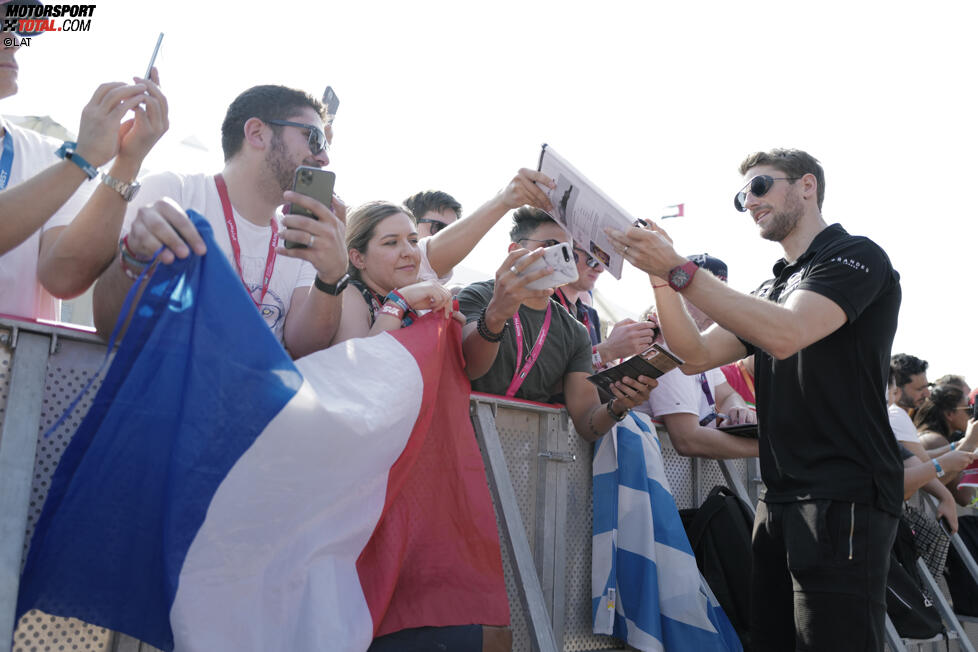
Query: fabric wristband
(393, 310)
(937, 467)
(67, 151)
(954, 445)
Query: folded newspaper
(583, 210)
(652, 362)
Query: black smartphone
(332, 102)
(315, 183)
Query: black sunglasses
(589, 260)
(759, 186)
(317, 139)
(436, 225)
(546, 243)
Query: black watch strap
(334, 289)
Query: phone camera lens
(566, 255)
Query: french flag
(218, 496)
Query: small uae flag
(676, 210)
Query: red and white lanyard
(519, 375)
(222, 191)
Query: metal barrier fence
(539, 469)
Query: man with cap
(52, 243)
(691, 407)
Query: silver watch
(127, 190)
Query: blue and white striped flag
(645, 586)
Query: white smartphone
(152, 59)
(560, 257)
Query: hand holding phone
(560, 258)
(315, 183)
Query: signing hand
(649, 249)
(739, 415)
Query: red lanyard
(581, 315)
(222, 191)
(519, 375)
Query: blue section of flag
(188, 392)
(625, 600)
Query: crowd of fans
(67, 225)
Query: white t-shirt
(21, 294)
(901, 423)
(425, 271)
(679, 393)
(199, 192)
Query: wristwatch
(680, 276)
(334, 289)
(127, 190)
(611, 412)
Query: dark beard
(279, 165)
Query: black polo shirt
(822, 420)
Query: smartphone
(315, 183)
(560, 257)
(332, 103)
(152, 59)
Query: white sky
(656, 102)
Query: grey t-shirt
(566, 349)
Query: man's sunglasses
(759, 186)
(436, 225)
(317, 138)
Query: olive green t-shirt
(566, 349)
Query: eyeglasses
(589, 260)
(436, 225)
(759, 186)
(317, 138)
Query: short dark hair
(268, 102)
(432, 200)
(526, 220)
(793, 162)
(904, 366)
(932, 415)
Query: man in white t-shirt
(267, 133)
(44, 254)
(691, 407)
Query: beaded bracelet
(484, 331)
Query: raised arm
(72, 257)
(28, 205)
(448, 247)
(781, 330)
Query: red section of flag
(434, 558)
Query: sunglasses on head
(436, 225)
(317, 138)
(759, 186)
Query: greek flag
(646, 589)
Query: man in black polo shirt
(821, 332)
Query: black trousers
(818, 580)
